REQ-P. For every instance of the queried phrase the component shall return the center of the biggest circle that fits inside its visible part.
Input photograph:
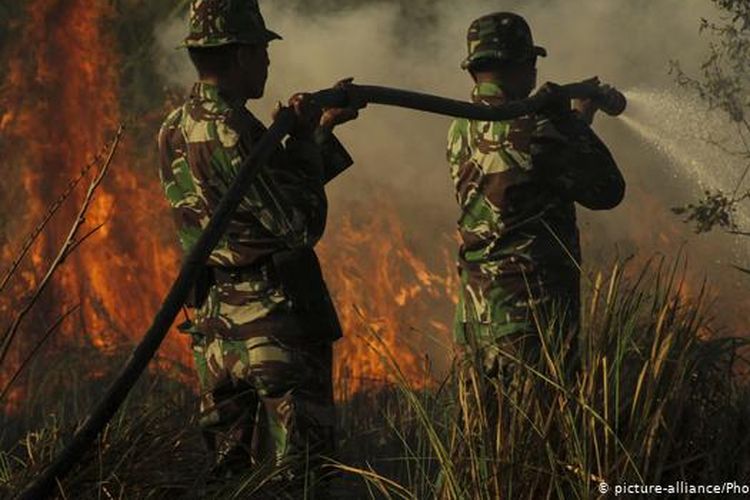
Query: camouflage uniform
(264, 323)
(516, 184)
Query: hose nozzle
(610, 100)
(606, 97)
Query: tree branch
(51, 211)
(63, 253)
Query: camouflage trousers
(266, 402)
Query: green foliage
(715, 209)
(724, 84)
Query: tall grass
(655, 401)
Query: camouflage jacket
(516, 183)
(202, 145)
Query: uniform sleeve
(287, 198)
(177, 183)
(458, 150)
(577, 163)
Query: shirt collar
(209, 92)
(488, 93)
(205, 92)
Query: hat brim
(267, 37)
(272, 35)
(496, 54)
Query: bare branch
(63, 253)
(51, 211)
(76, 243)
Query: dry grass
(655, 402)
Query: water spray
(608, 98)
(705, 154)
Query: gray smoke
(626, 42)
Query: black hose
(450, 107)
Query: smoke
(623, 42)
(420, 45)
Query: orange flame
(385, 292)
(58, 105)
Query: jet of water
(702, 145)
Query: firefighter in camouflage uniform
(263, 323)
(516, 184)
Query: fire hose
(285, 120)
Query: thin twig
(64, 252)
(76, 243)
(747, 148)
(51, 211)
(737, 153)
(59, 321)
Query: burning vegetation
(61, 104)
(65, 94)
(60, 108)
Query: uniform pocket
(241, 286)
(273, 366)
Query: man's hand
(556, 101)
(333, 117)
(586, 109)
(308, 114)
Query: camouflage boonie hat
(503, 36)
(220, 22)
